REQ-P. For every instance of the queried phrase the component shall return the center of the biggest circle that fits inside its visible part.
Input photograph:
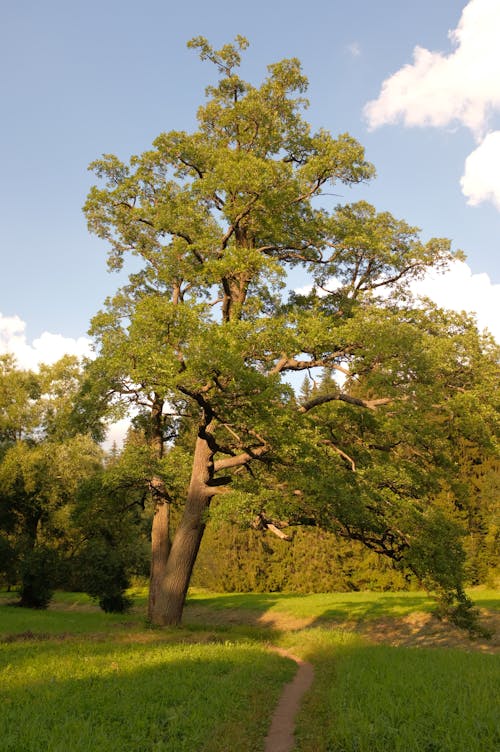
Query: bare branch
(241, 459)
(191, 166)
(218, 490)
(292, 364)
(342, 397)
(219, 203)
(279, 533)
(233, 433)
(314, 189)
(280, 364)
(261, 522)
(342, 453)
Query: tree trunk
(160, 531)
(171, 593)
(160, 549)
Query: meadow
(75, 678)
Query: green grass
(71, 619)
(368, 698)
(82, 696)
(74, 679)
(323, 607)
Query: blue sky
(79, 79)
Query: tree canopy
(205, 336)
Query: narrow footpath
(280, 737)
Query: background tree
(203, 331)
(43, 460)
(113, 527)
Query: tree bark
(171, 593)
(160, 549)
(160, 531)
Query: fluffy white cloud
(461, 87)
(44, 349)
(439, 89)
(481, 179)
(461, 290)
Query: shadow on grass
(15, 620)
(175, 698)
(393, 618)
(374, 698)
(318, 608)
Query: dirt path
(280, 737)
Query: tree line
(399, 406)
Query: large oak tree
(206, 334)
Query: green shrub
(38, 572)
(104, 575)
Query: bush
(104, 576)
(38, 572)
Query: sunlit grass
(75, 679)
(85, 695)
(368, 698)
(334, 606)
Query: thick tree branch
(191, 166)
(292, 364)
(232, 229)
(342, 397)
(241, 459)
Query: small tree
(218, 218)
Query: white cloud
(441, 89)
(461, 87)
(47, 348)
(481, 179)
(461, 290)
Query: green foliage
(44, 457)
(104, 576)
(313, 561)
(109, 516)
(217, 219)
(38, 576)
(19, 392)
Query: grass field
(336, 606)
(76, 679)
(368, 698)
